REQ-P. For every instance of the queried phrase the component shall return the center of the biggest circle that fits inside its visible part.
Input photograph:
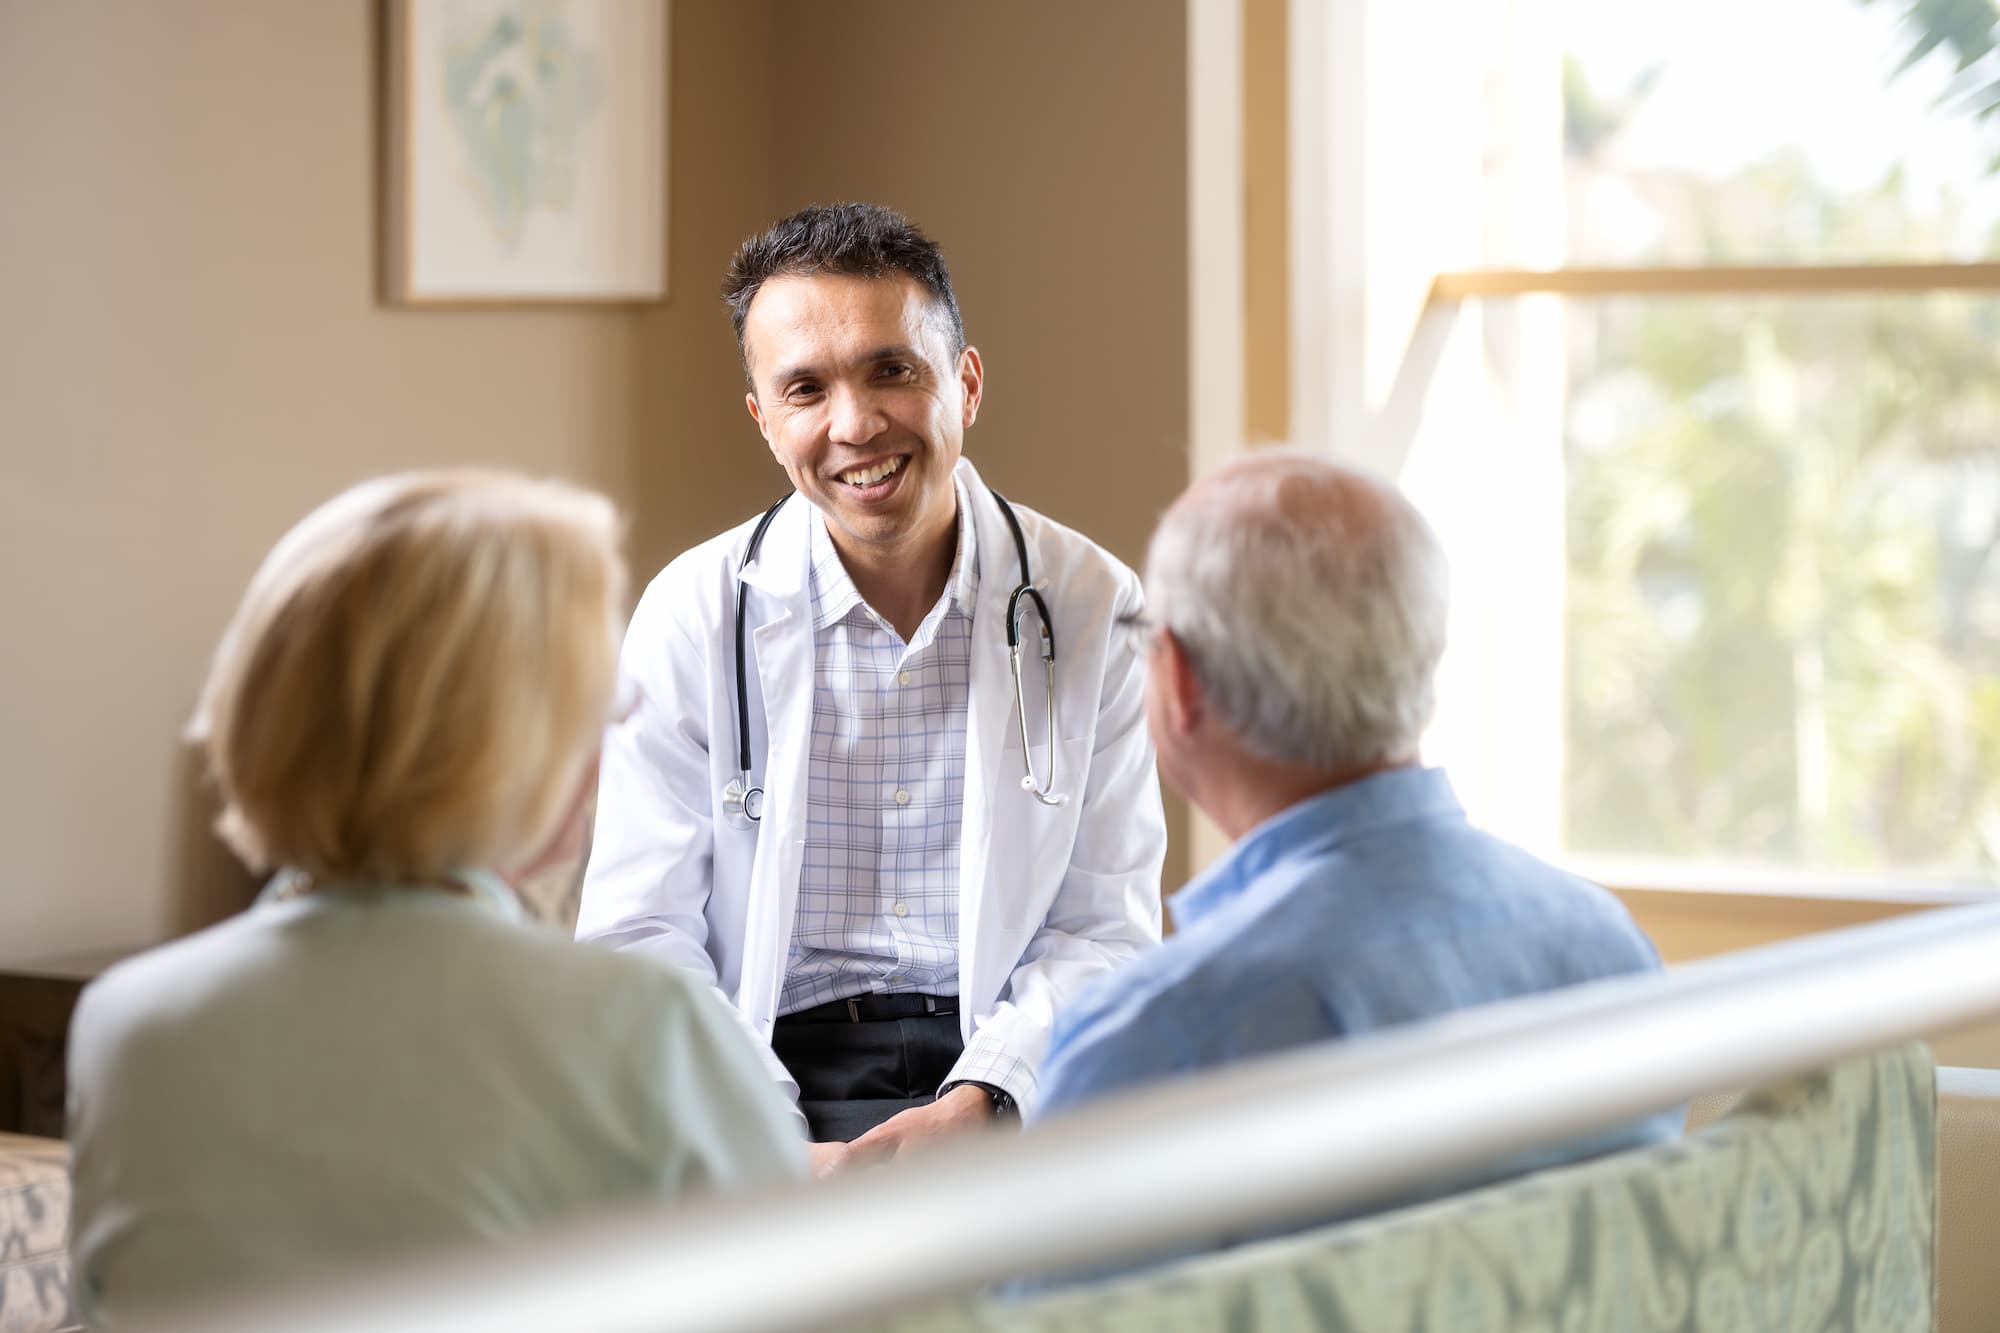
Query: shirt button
(902, 909)
(902, 797)
(902, 678)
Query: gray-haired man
(1296, 617)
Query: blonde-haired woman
(382, 1057)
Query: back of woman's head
(417, 677)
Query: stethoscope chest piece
(1043, 791)
(742, 800)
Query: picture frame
(525, 152)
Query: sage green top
(362, 1074)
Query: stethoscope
(739, 797)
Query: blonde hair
(416, 677)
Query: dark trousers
(854, 1075)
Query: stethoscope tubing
(742, 684)
(740, 797)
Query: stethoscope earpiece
(741, 798)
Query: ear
(757, 415)
(1180, 691)
(972, 380)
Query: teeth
(869, 476)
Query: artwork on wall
(526, 151)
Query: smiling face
(858, 391)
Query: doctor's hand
(961, 1109)
(826, 1158)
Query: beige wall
(698, 464)
(191, 356)
(1043, 143)
(191, 353)
(1267, 389)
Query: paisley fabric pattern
(34, 1214)
(1809, 1208)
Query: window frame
(1326, 335)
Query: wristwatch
(1004, 1107)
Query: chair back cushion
(1810, 1205)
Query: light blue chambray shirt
(353, 1076)
(1371, 905)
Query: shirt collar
(833, 592)
(484, 891)
(1315, 826)
(834, 595)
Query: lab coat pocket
(1033, 840)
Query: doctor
(904, 889)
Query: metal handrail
(1293, 1136)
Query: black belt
(874, 1008)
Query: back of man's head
(1310, 600)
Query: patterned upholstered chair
(1811, 1205)
(34, 1216)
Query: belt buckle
(854, 1009)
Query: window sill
(1655, 875)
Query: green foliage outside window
(1783, 606)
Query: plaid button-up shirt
(878, 889)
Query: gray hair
(1310, 600)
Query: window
(1705, 400)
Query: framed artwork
(526, 146)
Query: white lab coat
(1050, 897)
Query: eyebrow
(886, 352)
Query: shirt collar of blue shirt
(834, 595)
(1316, 825)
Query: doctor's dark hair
(852, 240)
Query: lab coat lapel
(992, 846)
(781, 644)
